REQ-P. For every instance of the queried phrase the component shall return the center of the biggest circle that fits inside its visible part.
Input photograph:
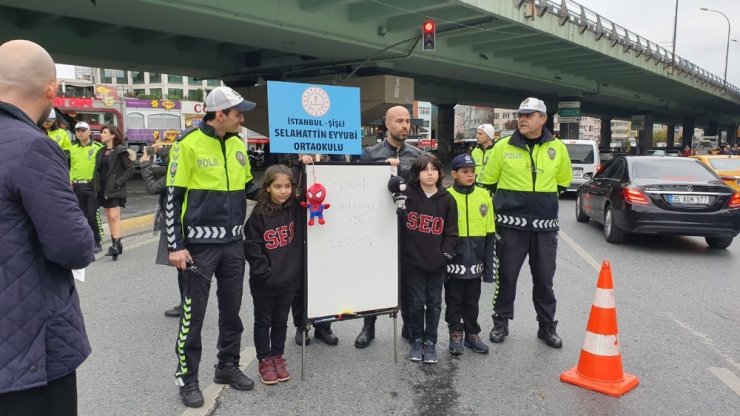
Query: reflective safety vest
(206, 181)
(475, 227)
(527, 181)
(82, 160)
(480, 157)
(61, 137)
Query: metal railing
(568, 11)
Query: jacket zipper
(226, 171)
(534, 167)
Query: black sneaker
(191, 395)
(548, 334)
(174, 312)
(498, 333)
(474, 342)
(229, 373)
(417, 350)
(456, 343)
(325, 334)
(430, 352)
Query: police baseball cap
(223, 98)
(82, 126)
(532, 105)
(462, 161)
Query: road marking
(708, 342)
(727, 377)
(211, 393)
(580, 251)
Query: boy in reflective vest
(475, 257)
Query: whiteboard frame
(393, 310)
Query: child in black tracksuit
(273, 247)
(429, 235)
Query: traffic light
(428, 30)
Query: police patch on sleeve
(551, 153)
(483, 210)
(241, 158)
(173, 169)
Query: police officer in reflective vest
(82, 156)
(208, 182)
(527, 171)
(482, 152)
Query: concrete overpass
(489, 52)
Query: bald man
(394, 150)
(43, 236)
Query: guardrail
(587, 20)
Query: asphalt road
(678, 308)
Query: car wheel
(580, 216)
(611, 232)
(718, 242)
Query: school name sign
(308, 118)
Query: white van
(584, 159)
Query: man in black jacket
(394, 150)
(43, 236)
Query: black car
(660, 195)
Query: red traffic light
(428, 34)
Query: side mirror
(588, 176)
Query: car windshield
(580, 153)
(671, 170)
(725, 164)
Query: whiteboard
(352, 260)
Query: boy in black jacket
(428, 240)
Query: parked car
(726, 166)
(584, 160)
(660, 195)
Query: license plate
(577, 173)
(688, 199)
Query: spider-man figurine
(315, 195)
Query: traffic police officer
(527, 171)
(483, 148)
(82, 157)
(208, 182)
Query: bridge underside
(490, 57)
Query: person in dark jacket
(394, 150)
(43, 236)
(114, 168)
(273, 247)
(428, 239)
(155, 182)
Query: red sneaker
(268, 375)
(281, 367)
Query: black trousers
(461, 302)
(513, 248)
(226, 261)
(425, 305)
(271, 323)
(58, 398)
(297, 310)
(88, 201)
(370, 320)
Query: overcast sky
(701, 36)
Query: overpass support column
(732, 134)
(671, 139)
(688, 132)
(445, 131)
(606, 132)
(645, 135)
(713, 129)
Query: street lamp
(727, 52)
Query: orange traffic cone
(600, 365)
